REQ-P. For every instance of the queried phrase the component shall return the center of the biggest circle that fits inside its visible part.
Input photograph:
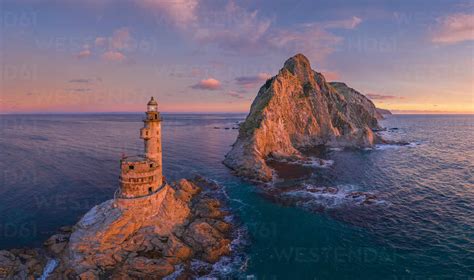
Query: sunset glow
(213, 56)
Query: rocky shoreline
(115, 241)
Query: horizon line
(421, 112)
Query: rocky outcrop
(358, 101)
(297, 109)
(384, 111)
(21, 264)
(144, 238)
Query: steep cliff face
(298, 109)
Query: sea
(419, 223)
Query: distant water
(56, 167)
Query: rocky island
(149, 230)
(296, 110)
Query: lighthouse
(151, 132)
(142, 175)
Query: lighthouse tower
(142, 175)
(151, 132)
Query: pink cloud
(313, 41)
(120, 39)
(245, 32)
(208, 84)
(179, 12)
(101, 41)
(114, 56)
(375, 96)
(251, 81)
(83, 54)
(237, 30)
(253, 34)
(454, 28)
(235, 95)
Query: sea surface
(420, 226)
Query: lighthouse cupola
(152, 105)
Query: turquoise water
(56, 167)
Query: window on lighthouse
(152, 108)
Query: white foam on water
(49, 267)
(333, 197)
(320, 163)
(396, 146)
(227, 266)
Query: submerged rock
(297, 109)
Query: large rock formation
(384, 111)
(144, 238)
(298, 109)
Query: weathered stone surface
(142, 267)
(142, 238)
(57, 243)
(297, 109)
(21, 264)
(208, 240)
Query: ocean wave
(392, 146)
(48, 269)
(317, 162)
(308, 161)
(332, 197)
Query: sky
(213, 55)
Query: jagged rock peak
(300, 66)
(342, 84)
(296, 110)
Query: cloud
(235, 95)
(233, 29)
(454, 28)
(236, 30)
(315, 42)
(101, 41)
(80, 81)
(179, 12)
(351, 23)
(85, 81)
(120, 40)
(79, 90)
(114, 56)
(83, 54)
(250, 81)
(375, 96)
(115, 45)
(207, 84)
